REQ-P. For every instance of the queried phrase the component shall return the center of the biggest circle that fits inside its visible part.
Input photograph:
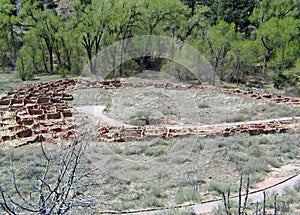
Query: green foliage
(153, 201)
(62, 72)
(218, 42)
(278, 30)
(231, 11)
(217, 186)
(24, 66)
(187, 195)
(8, 39)
(239, 38)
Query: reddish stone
(35, 111)
(57, 128)
(67, 97)
(267, 96)
(24, 133)
(17, 101)
(27, 121)
(226, 133)
(41, 117)
(29, 101)
(55, 100)
(67, 134)
(5, 102)
(5, 138)
(116, 83)
(43, 129)
(104, 129)
(43, 100)
(53, 115)
(106, 82)
(67, 113)
(253, 131)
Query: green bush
(155, 151)
(62, 72)
(217, 186)
(255, 165)
(153, 201)
(24, 68)
(187, 195)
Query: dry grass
(182, 107)
(186, 170)
(160, 172)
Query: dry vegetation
(180, 107)
(162, 173)
(167, 172)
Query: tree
(44, 25)
(280, 36)
(278, 33)
(9, 44)
(124, 25)
(218, 42)
(242, 60)
(92, 26)
(56, 194)
(230, 11)
(192, 25)
(266, 9)
(159, 18)
(25, 64)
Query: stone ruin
(43, 112)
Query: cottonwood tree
(92, 26)
(192, 24)
(123, 26)
(159, 18)
(43, 26)
(230, 11)
(280, 39)
(218, 41)
(278, 32)
(9, 43)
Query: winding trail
(254, 196)
(206, 207)
(97, 111)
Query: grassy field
(9, 81)
(180, 107)
(162, 173)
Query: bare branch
(4, 204)
(246, 196)
(16, 186)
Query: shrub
(187, 195)
(155, 151)
(255, 166)
(153, 201)
(217, 186)
(181, 211)
(62, 72)
(24, 68)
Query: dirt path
(97, 111)
(254, 196)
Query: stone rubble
(43, 112)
